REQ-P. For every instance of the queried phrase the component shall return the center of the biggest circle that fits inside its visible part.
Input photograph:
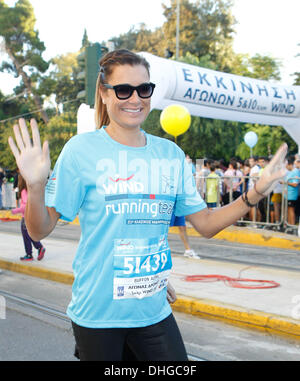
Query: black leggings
(158, 342)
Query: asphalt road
(28, 334)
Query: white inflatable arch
(212, 94)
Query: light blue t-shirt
(124, 197)
(290, 177)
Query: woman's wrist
(254, 197)
(259, 193)
(36, 188)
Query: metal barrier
(266, 214)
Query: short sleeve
(188, 199)
(64, 190)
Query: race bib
(141, 267)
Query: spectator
(219, 171)
(297, 209)
(253, 176)
(222, 165)
(262, 205)
(212, 184)
(246, 173)
(8, 192)
(205, 171)
(2, 175)
(232, 183)
(28, 242)
(181, 224)
(190, 161)
(292, 191)
(276, 199)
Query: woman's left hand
(273, 172)
(171, 294)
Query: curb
(271, 323)
(37, 271)
(275, 324)
(250, 237)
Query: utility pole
(177, 29)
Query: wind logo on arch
(119, 185)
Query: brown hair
(21, 184)
(107, 64)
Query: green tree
(264, 67)
(10, 106)
(269, 140)
(206, 30)
(206, 27)
(58, 131)
(127, 40)
(297, 74)
(204, 61)
(258, 66)
(85, 40)
(62, 80)
(24, 49)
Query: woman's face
(130, 112)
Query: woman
(28, 242)
(124, 184)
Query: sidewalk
(276, 310)
(233, 234)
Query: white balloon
(250, 139)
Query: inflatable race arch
(212, 94)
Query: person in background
(292, 181)
(253, 176)
(276, 200)
(262, 205)
(246, 173)
(220, 172)
(212, 184)
(205, 171)
(190, 162)
(181, 224)
(28, 242)
(297, 209)
(232, 184)
(2, 175)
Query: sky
(268, 27)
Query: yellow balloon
(175, 119)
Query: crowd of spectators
(220, 183)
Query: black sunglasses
(145, 90)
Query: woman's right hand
(32, 159)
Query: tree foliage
(206, 40)
(23, 48)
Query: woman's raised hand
(274, 171)
(32, 159)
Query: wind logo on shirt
(118, 184)
(122, 174)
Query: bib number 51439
(151, 263)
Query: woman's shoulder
(83, 137)
(81, 142)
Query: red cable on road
(232, 282)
